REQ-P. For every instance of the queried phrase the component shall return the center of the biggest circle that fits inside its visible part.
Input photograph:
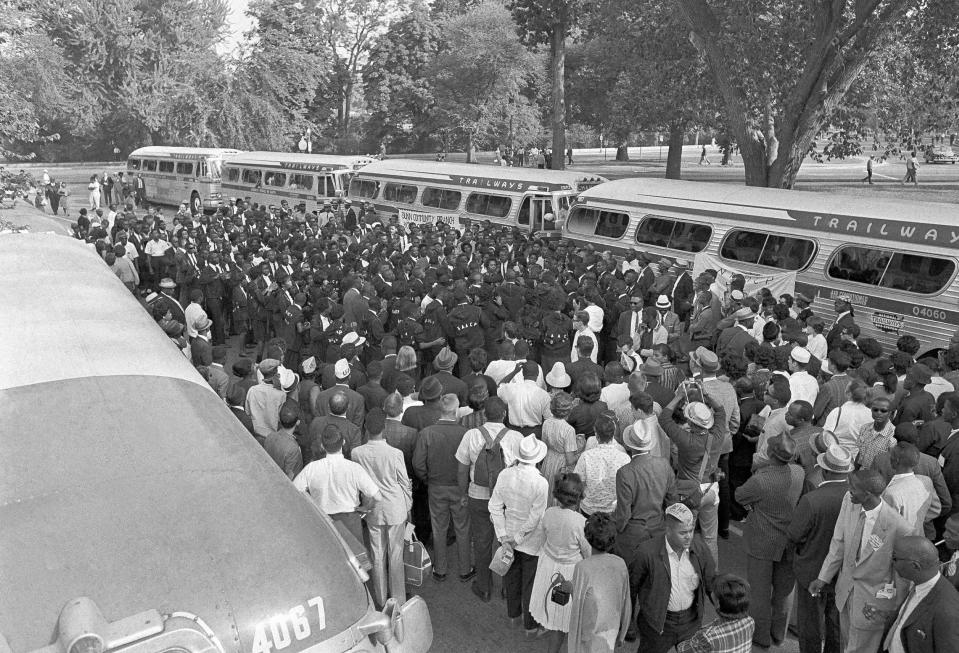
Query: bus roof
(482, 176)
(138, 488)
(182, 152)
(918, 222)
(300, 161)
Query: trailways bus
(180, 174)
(268, 178)
(137, 513)
(419, 192)
(895, 261)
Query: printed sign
(423, 217)
(889, 322)
(779, 283)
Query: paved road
(463, 624)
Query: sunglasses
(880, 410)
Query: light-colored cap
(341, 369)
(309, 365)
(681, 513)
(800, 355)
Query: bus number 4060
(285, 628)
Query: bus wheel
(195, 205)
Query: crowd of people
(585, 426)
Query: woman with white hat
(516, 507)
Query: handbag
(560, 591)
(416, 559)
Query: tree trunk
(674, 157)
(622, 152)
(469, 147)
(347, 105)
(558, 66)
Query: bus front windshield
(214, 167)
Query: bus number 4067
(282, 630)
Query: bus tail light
(407, 624)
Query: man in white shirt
(194, 311)
(477, 494)
(802, 384)
(914, 497)
(528, 404)
(506, 363)
(516, 507)
(263, 401)
(340, 488)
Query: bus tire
(196, 207)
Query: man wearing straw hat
(809, 533)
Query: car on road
(941, 154)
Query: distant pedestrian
(868, 176)
(569, 156)
(703, 161)
(912, 166)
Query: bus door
(532, 212)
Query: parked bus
(894, 260)
(181, 174)
(138, 513)
(430, 192)
(271, 177)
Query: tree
(782, 67)
(397, 86)
(550, 21)
(36, 89)
(273, 85)
(136, 63)
(640, 72)
(349, 29)
(484, 78)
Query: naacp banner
(779, 283)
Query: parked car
(941, 154)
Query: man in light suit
(861, 553)
(927, 621)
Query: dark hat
(781, 447)
(431, 389)
(920, 374)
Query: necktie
(635, 322)
(894, 632)
(857, 534)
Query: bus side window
(184, 168)
(366, 188)
(133, 164)
(496, 206)
(744, 246)
(330, 182)
(232, 174)
(920, 274)
(582, 220)
(166, 166)
(859, 264)
(276, 179)
(655, 231)
(611, 224)
(150, 166)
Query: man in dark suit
(670, 577)
(810, 532)
(771, 495)
(356, 405)
(844, 319)
(733, 340)
(629, 326)
(683, 292)
(927, 621)
(201, 351)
